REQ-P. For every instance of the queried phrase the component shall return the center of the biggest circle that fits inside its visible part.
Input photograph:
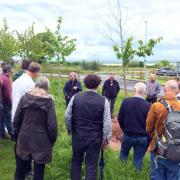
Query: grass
(59, 168)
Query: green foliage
(45, 45)
(7, 43)
(64, 45)
(136, 64)
(163, 63)
(146, 49)
(91, 65)
(125, 53)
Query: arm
(158, 89)
(65, 90)
(150, 120)
(118, 87)
(7, 90)
(103, 89)
(17, 119)
(107, 125)
(79, 87)
(68, 116)
(52, 122)
(121, 116)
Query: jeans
(21, 169)
(6, 121)
(111, 102)
(139, 146)
(163, 169)
(91, 150)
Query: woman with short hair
(35, 128)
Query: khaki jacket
(156, 117)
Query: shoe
(29, 175)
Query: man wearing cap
(6, 101)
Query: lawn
(59, 168)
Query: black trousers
(91, 150)
(21, 169)
(111, 102)
(151, 99)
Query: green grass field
(59, 168)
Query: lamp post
(145, 41)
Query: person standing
(132, 120)
(21, 86)
(110, 90)
(88, 119)
(72, 87)
(25, 64)
(153, 89)
(6, 98)
(24, 84)
(162, 168)
(35, 127)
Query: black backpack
(169, 146)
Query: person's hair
(140, 88)
(172, 86)
(73, 74)
(25, 64)
(92, 81)
(179, 86)
(43, 83)
(6, 68)
(34, 67)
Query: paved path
(129, 83)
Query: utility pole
(145, 41)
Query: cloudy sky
(86, 20)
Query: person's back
(132, 120)
(87, 119)
(133, 116)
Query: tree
(64, 45)
(7, 43)
(124, 46)
(163, 63)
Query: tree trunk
(124, 78)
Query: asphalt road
(129, 83)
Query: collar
(138, 96)
(91, 90)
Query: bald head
(171, 86)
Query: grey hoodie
(153, 89)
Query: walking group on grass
(27, 116)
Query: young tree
(7, 43)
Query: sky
(87, 21)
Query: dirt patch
(116, 135)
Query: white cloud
(84, 20)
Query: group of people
(27, 113)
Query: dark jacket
(132, 116)
(6, 91)
(110, 89)
(35, 127)
(87, 116)
(68, 88)
(18, 74)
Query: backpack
(169, 146)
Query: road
(129, 83)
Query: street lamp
(145, 41)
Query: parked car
(166, 72)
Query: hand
(75, 87)
(105, 144)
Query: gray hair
(140, 88)
(172, 86)
(43, 83)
